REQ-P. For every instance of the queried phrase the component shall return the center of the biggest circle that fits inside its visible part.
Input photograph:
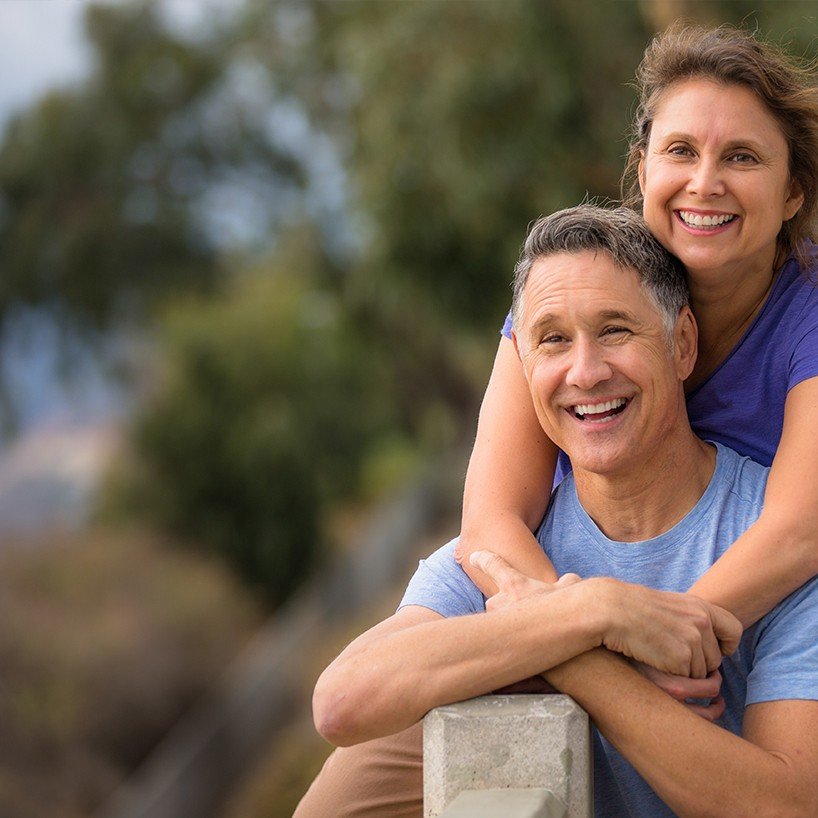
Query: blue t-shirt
(776, 659)
(742, 403)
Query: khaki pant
(377, 779)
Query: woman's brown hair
(732, 56)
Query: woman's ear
(640, 172)
(685, 343)
(794, 200)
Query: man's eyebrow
(543, 322)
(618, 315)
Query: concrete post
(533, 803)
(508, 742)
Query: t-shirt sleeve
(441, 585)
(506, 330)
(785, 661)
(803, 362)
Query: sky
(41, 45)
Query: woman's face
(715, 180)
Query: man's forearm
(394, 674)
(697, 768)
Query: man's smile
(600, 411)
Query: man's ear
(685, 342)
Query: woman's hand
(692, 693)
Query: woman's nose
(706, 179)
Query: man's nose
(706, 178)
(588, 365)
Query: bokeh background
(254, 257)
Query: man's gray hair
(623, 235)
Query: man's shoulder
(441, 585)
(743, 475)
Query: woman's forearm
(509, 477)
(762, 567)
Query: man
(606, 340)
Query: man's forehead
(591, 275)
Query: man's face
(604, 377)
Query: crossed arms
(396, 672)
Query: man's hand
(677, 633)
(692, 693)
(514, 586)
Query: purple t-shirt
(742, 403)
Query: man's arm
(392, 675)
(395, 673)
(698, 768)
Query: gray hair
(623, 235)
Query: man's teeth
(697, 220)
(596, 408)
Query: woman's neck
(724, 306)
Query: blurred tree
(121, 190)
(267, 406)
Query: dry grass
(105, 640)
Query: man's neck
(648, 498)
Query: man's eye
(615, 330)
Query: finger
(568, 579)
(727, 629)
(459, 553)
(698, 663)
(683, 687)
(709, 712)
(712, 651)
(496, 568)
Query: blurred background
(254, 259)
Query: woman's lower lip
(705, 231)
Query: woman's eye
(743, 158)
(680, 150)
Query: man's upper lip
(587, 400)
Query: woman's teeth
(697, 220)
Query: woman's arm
(509, 477)
(779, 553)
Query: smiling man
(606, 339)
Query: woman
(723, 163)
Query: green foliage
(262, 419)
(472, 119)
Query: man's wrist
(599, 608)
